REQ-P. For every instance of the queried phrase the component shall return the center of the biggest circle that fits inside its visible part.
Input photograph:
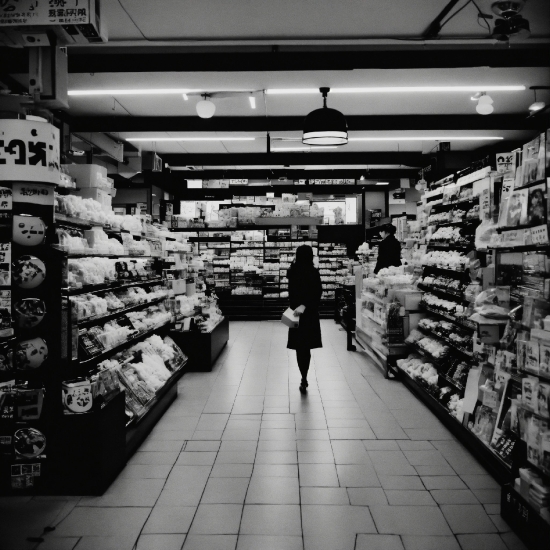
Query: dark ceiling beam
(300, 61)
(294, 123)
(294, 174)
(500, 55)
(293, 159)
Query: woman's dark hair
(303, 261)
(304, 255)
(389, 228)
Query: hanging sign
(33, 193)
(29, 151)
(43, 12)
(506, 162)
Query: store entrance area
(242, 461)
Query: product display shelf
(202, 348)
(457, 223)
(488, 458)
(443, 293)
(524, 519)
(462, 322)
(467, 354)
(107, 287)
(114, 314)
(138, 430)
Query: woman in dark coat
(389, 250)
(304, 291)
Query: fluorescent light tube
(427, 138)
(292, 91)
(252, 100)
(154, 91)
(191, 139)
(319, 148)
(398, 89)
(383, 183)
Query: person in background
(304, 292)
(389, 250)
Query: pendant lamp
(325, 126)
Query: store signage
(539, 235)
(5, 198)
(397, 196)
(29, 151)
(43, 12)
(33, 193)
(506, 162)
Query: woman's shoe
(303, 388)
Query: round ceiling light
(485, 104)
(205, 108)
(325, 126)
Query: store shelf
(489, 459)
(137, 431)
(79, 223)
(451, 246)
(457, 223)
(465, 323)
(85, 364)
(467, 354)
(209, 239)
(442, 293)
(106, 287)
(118, 313)
(447, 271)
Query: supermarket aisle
(242, 461)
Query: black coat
(389, 253)
(304, 288)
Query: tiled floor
(243, 461)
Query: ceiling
(257, 45)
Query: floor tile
(412, 498)
(405, 483)
(481, 542)
(318, 475)
(146, 457)
(237, 445)
(223, 490)
(271, 520)
(454, 496)
(176, 519)
(276, 445)
(336, 541)
(231, 470)
(273, 490)
(191, 458)
(378, 542)
(314, 457)
(106, 542)
(412, 542)
(361, 475)
(468, 518)
(443, 482)
(275, 470)
(276, 457)
(410, 520)
(216, 519)
(84, 521)
(160, 542)
(480, 481)
(210, 542)
(145, 471)
(235, 457)
(366, 496)
(269, 542)
(202, 446)
(324, 495)
(331, 520)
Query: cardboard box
(90, 176)
(409, 299)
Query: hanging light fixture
(484, 104)
(205, 107)
(325, 126)
(537, 105)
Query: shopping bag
(289, 319)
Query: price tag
(539, 235)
